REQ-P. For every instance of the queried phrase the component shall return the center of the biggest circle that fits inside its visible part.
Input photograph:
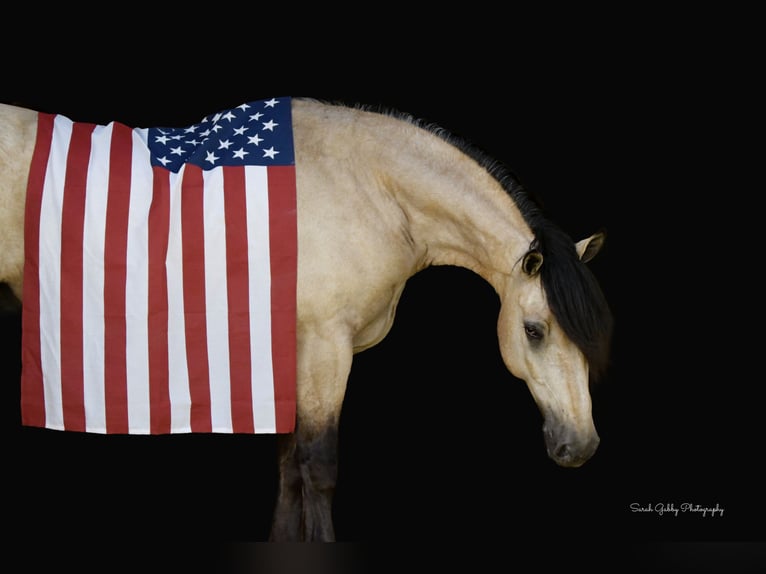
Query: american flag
(160, 275)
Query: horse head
(553, 330)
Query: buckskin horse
(381, 196)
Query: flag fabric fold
(160, 276)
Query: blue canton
(256, 133)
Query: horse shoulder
(354, 252)
(18, 129)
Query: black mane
(573, 294)
(572, 291)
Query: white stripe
(256, 181)
(137, 289)
(93, 280)
(180, 398)
(50, 271)
(216, 307)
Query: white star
(228, 116)
(241, 153)
(243, 107)
(190, 129)
(177, 150)
(216, 127)
(271, 103)
(211, 157)
(163, 139)
(223, 144)
(239, 131)
(163, 160)
(270, 153)
(270, 125)
(256, 139)
(256, 116)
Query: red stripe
(193, 246)
(72, 225)
(32, 392)
(159, 225)
(283, 239)
(238, 295)
(115, 274)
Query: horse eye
(533, 332)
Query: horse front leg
(308, 471)
(308, 457)
(288, 512)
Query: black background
(615, 121)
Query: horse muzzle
(569, 447)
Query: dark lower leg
(286, 521)
(308, 473)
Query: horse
(381, 196)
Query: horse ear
(532, 262)
(588, 248)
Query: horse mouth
(568, 448)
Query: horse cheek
(510, 346)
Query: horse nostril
(563, 452)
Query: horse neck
(458, 212)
